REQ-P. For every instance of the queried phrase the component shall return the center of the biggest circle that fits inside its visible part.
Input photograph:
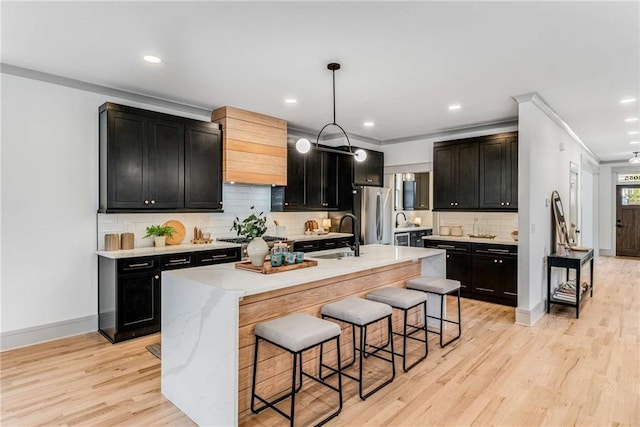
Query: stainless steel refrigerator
(372, 206)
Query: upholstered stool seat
(441, 287)
(296, 333)
(361, 313)
(405, 300)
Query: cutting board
(178, 236)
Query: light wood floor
(560, 372)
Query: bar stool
(442, 287)
(405, 300)
(296, 333)
(360, 313)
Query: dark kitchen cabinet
(455, 175)
(495, 273)
(415, 237)
(478, 174)
(316, 180)
(129, 300)
(203, 168)
(421, 197)
(371, 171)
(322, 244)
(498, 183)
(458, 262)
(154, 162)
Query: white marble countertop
(496, 241)
(304, 237)
(405, 229)
(165, 250)
(227, 277)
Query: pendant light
(635, 159)
(303, 145)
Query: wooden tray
(268, 269)
(178, 236)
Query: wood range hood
(254, 147)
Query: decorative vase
(160, 241)
(257, 249)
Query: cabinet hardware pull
(495, 261)
(146, 202)
(448, 256)
(206, 259)
(507, 203)
(178, 260)
(502, 251)
(369, 180)
(451, 203)
(501, 203)
(219, 256)
(156, 277)
(142, 264)
(286, 204)
(456, 203)
(485, 289)
(330, 244)
(500, 261)
(220, 202)
(510, 293)
(307, 246)
(153, 202)
(446, 247)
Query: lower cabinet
(415, 238)
(486, 272)
(322, 244)
(129, 300)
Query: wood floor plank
(562, 371)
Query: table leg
(548, 285)
(578, 289)
(591, 276)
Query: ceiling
(403, 64)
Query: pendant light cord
(334, 95)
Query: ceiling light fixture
(627, 100)
(631, 119)
(290, 101)
(368, 124)
(455, 107)
(303, 145)
(152, 59)
(635, 159)
(632, 132)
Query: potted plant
(253, 227)
(160, 233)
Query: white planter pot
(257, 249)
(160, 241)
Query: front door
(628, 220)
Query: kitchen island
(209, 313)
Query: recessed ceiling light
(634, 142)
(152, 59)
(631, 119)
(627, 100)
(455, 107)
(368, 124)
(632, 132)
(290, 101)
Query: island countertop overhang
(245, 283)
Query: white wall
(49, 183)
(545, 150)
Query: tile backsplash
(499, 223)
(238, 199)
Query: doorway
(628, 220)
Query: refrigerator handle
(378, 217)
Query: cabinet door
(485, 275)
(422, 191)
(493, 159)
(360, 171)
(295, 193)
(314, 180)
(166, 164)
(138, 301)
(375, 168)
(512, 187)
(203, 168)
(466, 176)
(509, 278)
(330, 184)
(443, 177)
(459, 268)
(127, 162)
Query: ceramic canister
(127, 241)
(111, 242)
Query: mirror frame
(558, 215)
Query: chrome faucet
(404, 216)
(355, 229)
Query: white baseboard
(607, 252)
(51, 331)
(528, 317)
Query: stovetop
(246, 240)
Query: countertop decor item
(200, 238)
(456, 230)
(303, 145)
(252, 226)
(127, 241)
(445, 230)
(111, 242)
(159, 233)
(514, 235)
(178, 236)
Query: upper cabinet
(421, 202)
(476, 173)
(371, 171)
(317, 180)
(254, 146)
(155, 162)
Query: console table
(573, 260)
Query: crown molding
(511, 123)
(537, 100)
(104, 90)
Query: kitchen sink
(335, 255)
